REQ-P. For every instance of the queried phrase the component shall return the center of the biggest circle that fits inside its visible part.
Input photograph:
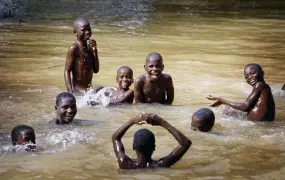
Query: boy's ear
(132, 80)
(144, 67)
(162, 67)
(55, 107)
(74, 31)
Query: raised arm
(138, 87)
(247, 105)
(123, 159)
(180, 150)
(70, 58)
(169, 91)
(96, 64)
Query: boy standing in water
(144, 144)
(122, 94)
(260, 104)
(65, 108)
(154, 86)
(82, 58)
(23, 134)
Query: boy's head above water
(23, 134)
(203, 120)
(124, 77)
(253, 73)
(82, 29)
(65, 108)
(144, 142)
(154, 65)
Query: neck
(82, 42)
(59, 121)
(143, 160)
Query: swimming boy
(23, 134)
(82, 61)
(260, 104)
(203, 120)
(65, 108)
(122, 94)
(144, 144)
(154, 86)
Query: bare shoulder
(141, 78)
(74, 46)
(261, 86)
(166, 77)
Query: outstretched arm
(246, 106)
(70, 58)
(117, 143)
(180, 150)
(170, 91)
(138, 86)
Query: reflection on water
(205, 46)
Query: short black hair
(16, 132)
(144, 141)
(125, 67)
(207, 117)
(64, 95)
(257, 66)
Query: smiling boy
(260, 104)
(82, 59)
(65, 108)
(154, 86)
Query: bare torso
(82, 68)
(264, 108)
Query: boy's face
(252, 75)
(27, 137)
(66, 110)
(124, 78)
(154, 68)
(83, 30)
(199, 125)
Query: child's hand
(216, 99)
(141, 119)
(92, 43)
(154, 120)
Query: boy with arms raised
(260, 104)
(154, 86)
(144, 144)
(82, 58)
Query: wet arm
(96, 61)
(138, 90)
(118, 145)
(124, 97)
(70, 58)
(250, 101)
(179, 151)
(170, 92)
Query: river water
(205, 46)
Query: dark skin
(200, 124)
(259, 105)
(283, 88)
(27, 137)
(122, 94)
(144, 159)
(154, 86)
(81, 61)
(65, 111)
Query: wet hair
(144, 141)
(207, 118)
(155, 55)
(63, 95)
(78, 21)
(17, 132)
(257, 66)
(125, 67)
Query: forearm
(239, 106)
(182, 140)
(67, 79)
(122, 130)
(96, 61)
